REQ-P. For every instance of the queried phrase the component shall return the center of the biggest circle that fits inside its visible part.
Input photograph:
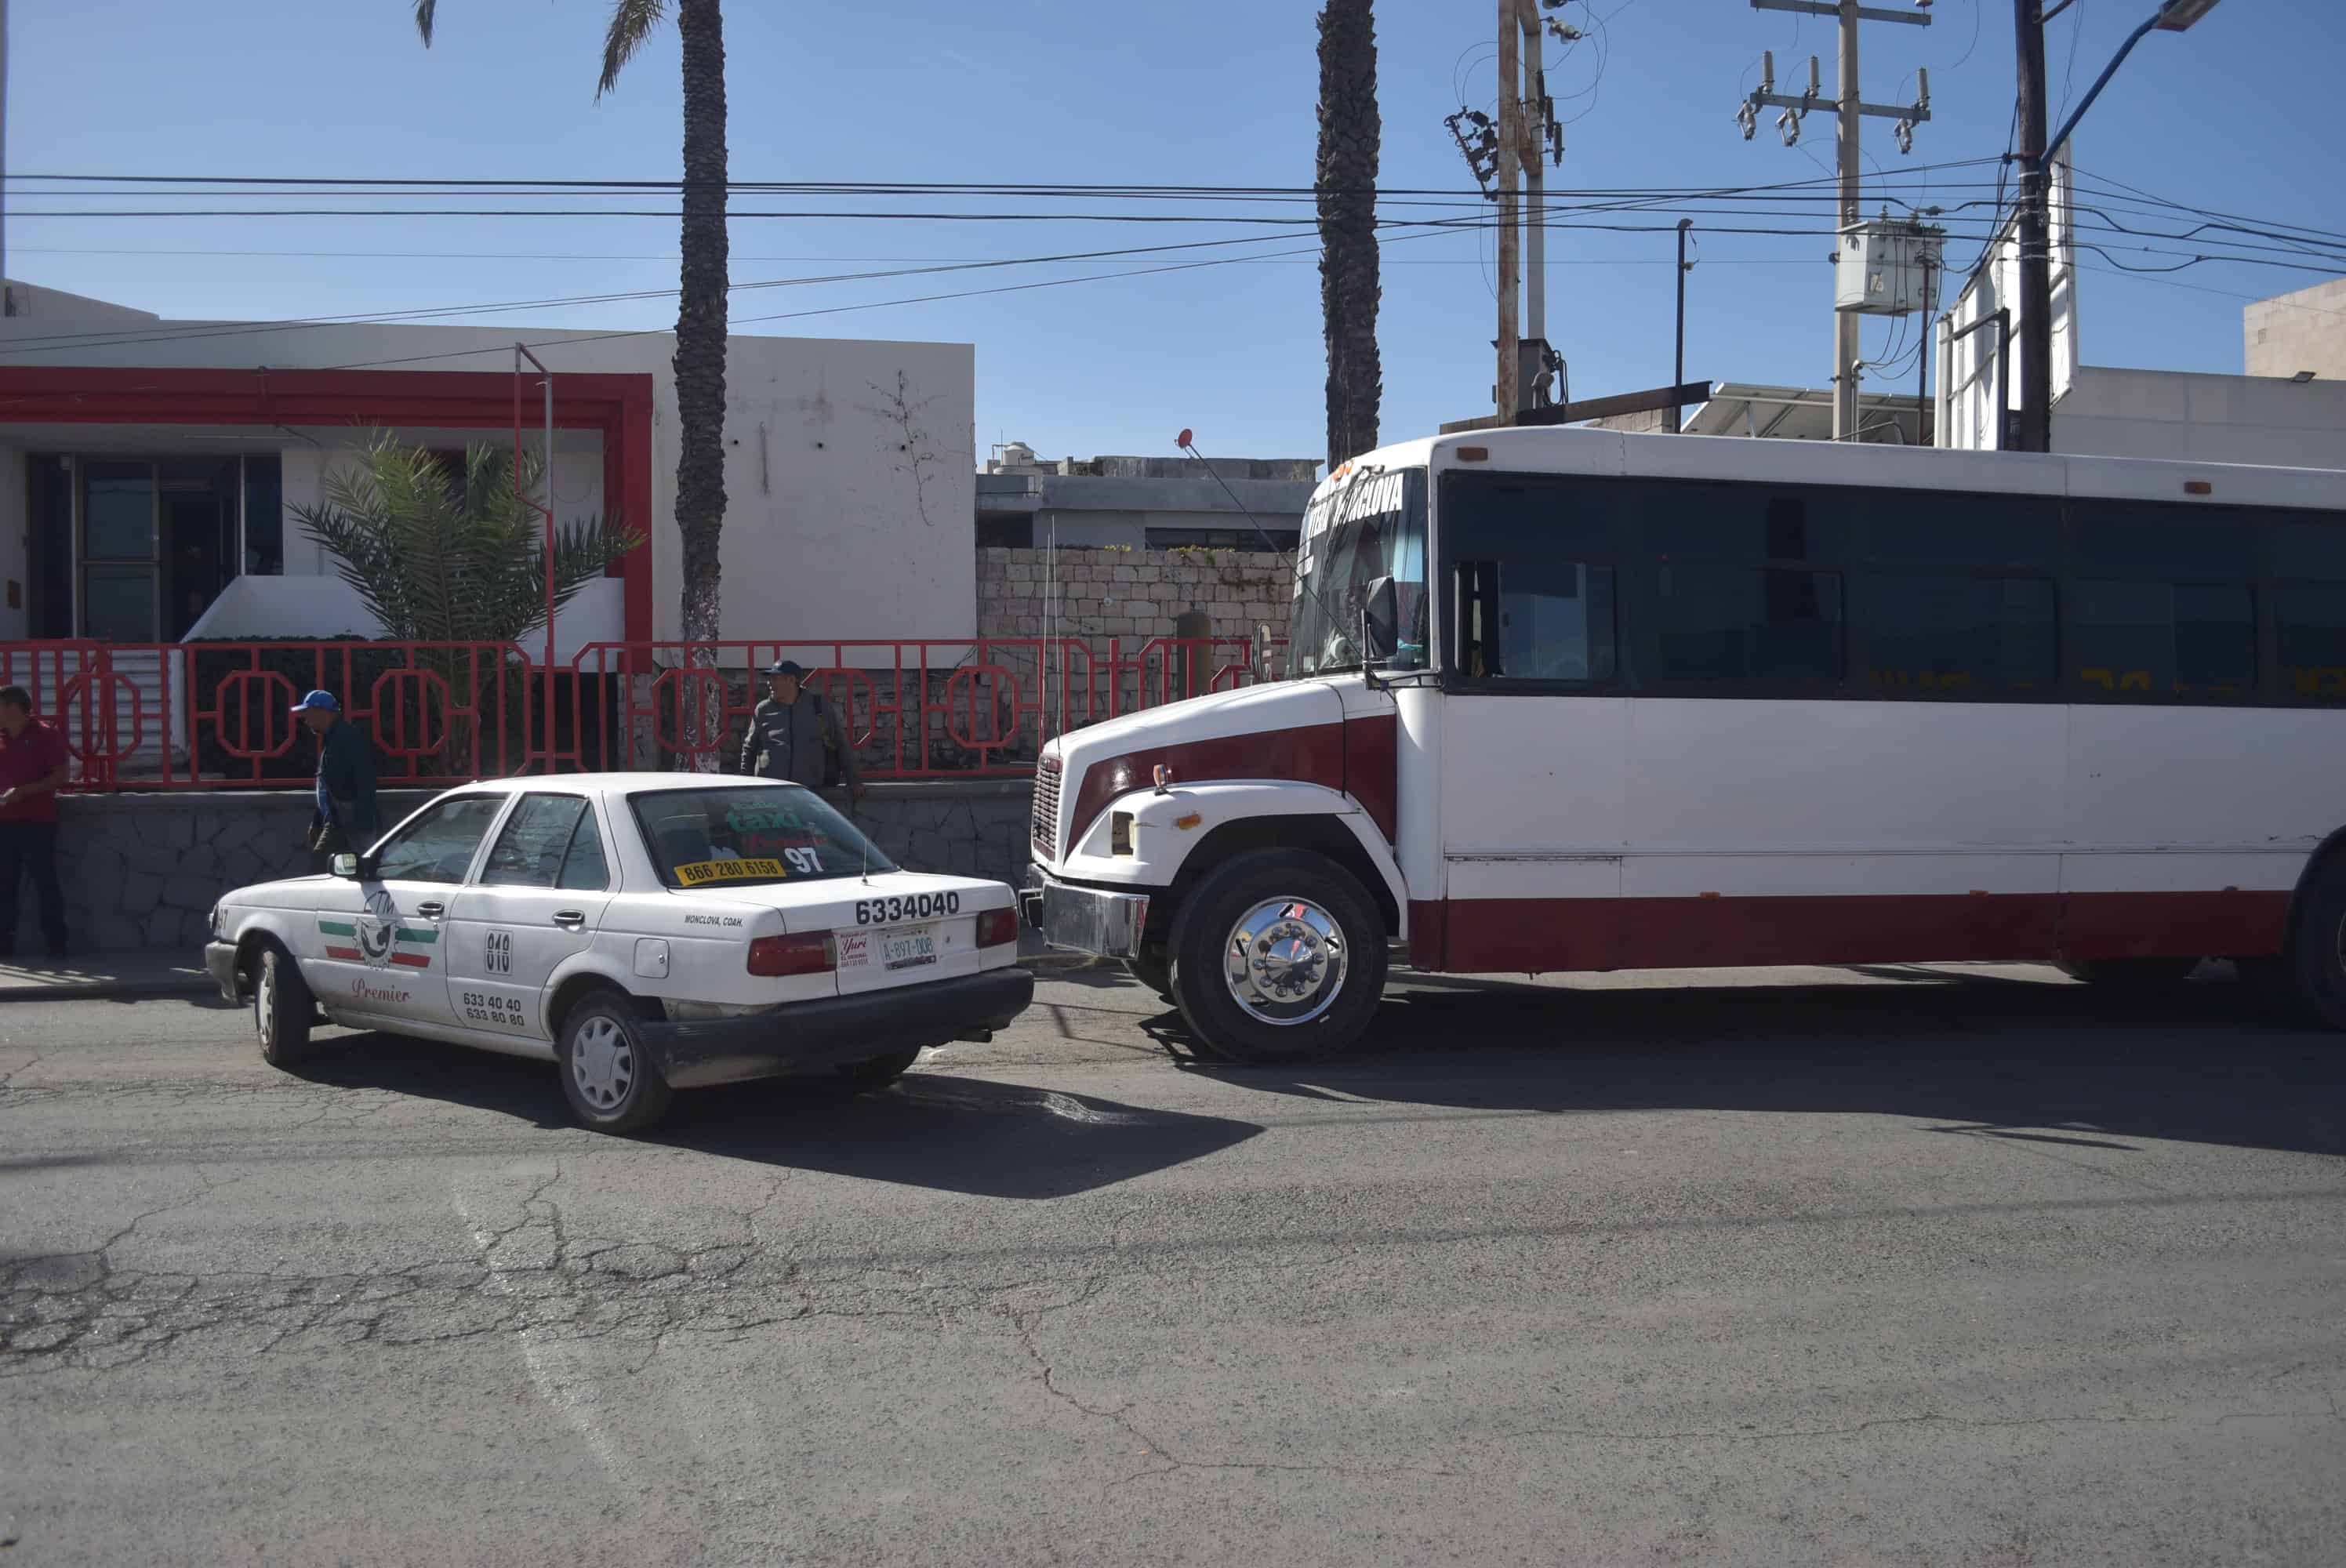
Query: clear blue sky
(2234, 115)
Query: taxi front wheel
(607, 1076)
(283, 1007)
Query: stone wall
(1129, 594)
(144, 870)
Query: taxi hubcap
(264, 1001)
(1285, 960)
(602, 1062)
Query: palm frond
(632, 21)
(423, 9)
(444, 561)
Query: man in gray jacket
(795, 735)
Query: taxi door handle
(432, 910)
(574, 919)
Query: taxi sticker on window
(701, 871)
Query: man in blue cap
(794, 735)
(345, 823)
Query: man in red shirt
(33, 766)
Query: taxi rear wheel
(283, 1007)
(610, 1079)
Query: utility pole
(1678, 361)
(2035, 422)
(1527, 133)
(1846, 351)
(1507, 399)
(1851, 110)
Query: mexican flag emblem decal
(378, 943)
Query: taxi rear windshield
(746, 834)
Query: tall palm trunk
(700, 322)
(1346, 179)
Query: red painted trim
(80, 394)
(1373, 770)
(1311, 754)
(1356, 756)
(618, 406)
(1503, 936)
(350, 952)
(2230, 924)
(1429, 933)
(411, 960)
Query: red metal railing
(210, 715)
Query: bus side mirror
(1380, 620)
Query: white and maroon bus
(1569, 699)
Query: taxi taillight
(810, 953)
(996, 927)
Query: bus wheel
(2130, 974)
(1153, 969)
(1279, 956)
(2316, 954)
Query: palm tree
(457, 559)
(700, 323)
(1346, 181)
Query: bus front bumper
(1084, 920)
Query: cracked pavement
(1926, 1265)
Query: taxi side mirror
(345, 866)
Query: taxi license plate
(908, 947)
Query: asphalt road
(1908, 1266)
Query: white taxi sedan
(645, 932)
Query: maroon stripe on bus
(1503, 936)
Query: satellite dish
(1182, 439)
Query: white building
(2267, 416)
(148, 470)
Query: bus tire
(1153, 969)
(2316, 959)
(1278, 956)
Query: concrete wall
(144, 870)
(2202, 418)
(849, 470)
(2305, 331)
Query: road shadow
(975, 1136)
(1972, 1054)
(937, 1130)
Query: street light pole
(2035, 431)
(2038, 153)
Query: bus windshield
(1367, 524)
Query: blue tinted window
(1723, 623)
(2165, 639)
(1926, 635)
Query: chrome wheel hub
(264, 1000)
(1285, 960)
(602, 1063)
